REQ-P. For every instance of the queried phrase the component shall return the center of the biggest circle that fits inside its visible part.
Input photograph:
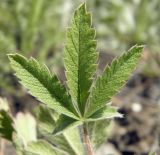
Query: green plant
(84, 99)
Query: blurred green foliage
(34, 27)
(121, 23)
(37, 28)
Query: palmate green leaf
(42, 147)
(42, 85)
(104, 113)
(112, 79)
(80, 62)
(80, 56)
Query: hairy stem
(86, 140)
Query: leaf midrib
(78, 27)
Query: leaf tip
(16, 58)
(13, 56)
(82, 7)
(139, 47)
(10, 56)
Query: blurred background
(37, 28)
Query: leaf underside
(42, 85)
(80, 56)
(42, 147)
(45, 118)
(69, 141)
(112, 79)
(99, 131)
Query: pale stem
(86, 140)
